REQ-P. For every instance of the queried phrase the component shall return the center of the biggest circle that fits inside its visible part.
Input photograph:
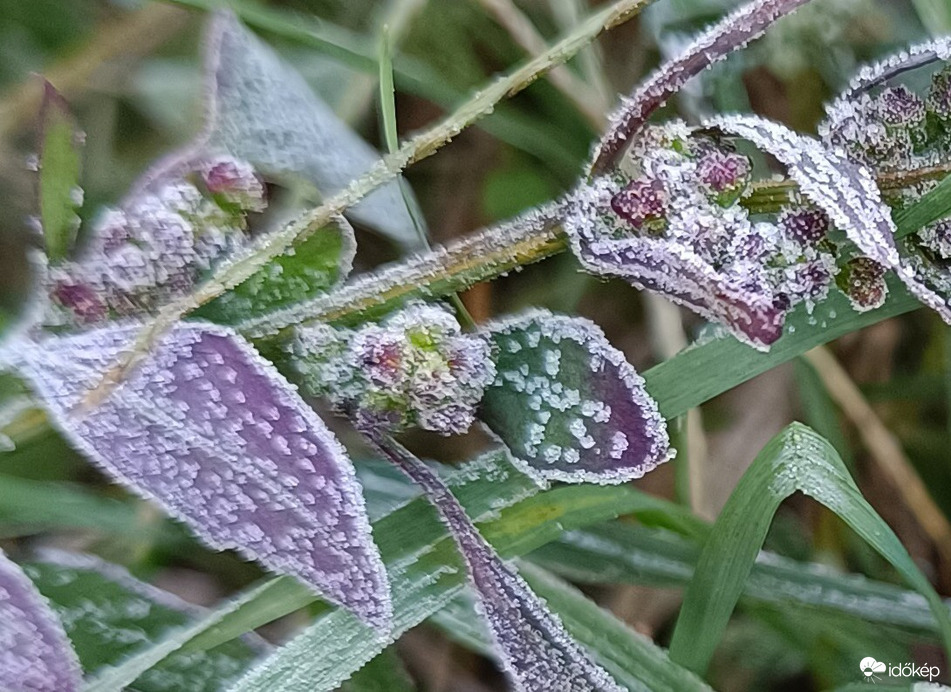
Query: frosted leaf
(211, 431)
(261, 110)
(415, 369)
(844, 190)
(677, 267)
(234, 181)
(311, 268)
(567, 403)
(35, 655)
(110, 615)
(731, 33)
(537, 652)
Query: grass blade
(795, 460)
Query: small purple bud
(235, 182)
(643, 204)
(80, 299)
(805, 225)
(863, 281)
(725, 175)
(937, 238)
(939, 96)
(899, 107)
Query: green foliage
(59, 161)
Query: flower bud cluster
(684, 190)
(416, 369)
(156, 248)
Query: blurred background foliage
(132, 73)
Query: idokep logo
(873, 670)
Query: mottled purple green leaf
(110, 615)
(59, 160)
(731, 33)
(567, 403)
(537, 652)
(211, 431)
(846, 191)
(35, 655)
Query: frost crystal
(701, 248)
(414, 369)
(211, 431)
(35, 655)
(538, 654)
(568, 404)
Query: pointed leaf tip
(261, 109)
(59, 145)
(210, 430)
(35, 654)
(568, 404)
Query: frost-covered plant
(197, 419)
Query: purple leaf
(211, 431)
(731, 33)
(537, 652)
(568, 404)
(35, 654)
(844, 190)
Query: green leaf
(108, 614)
(59, 160)
(931, 206)
(385, 673)
(28, 506)
(313, 267)
(620, 552)
(632, 659)
(795, 460)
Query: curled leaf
(910, 58)
(567, 403)
(59, 162)
(537, 652)
(731, 33)
(35, 655)
(211, 431)
(846, 191)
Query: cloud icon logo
(869, 667)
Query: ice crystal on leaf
(537, 653)
(211, 431)
(863, 281)
(700, 248)
(414, 369)
(567, 403)
(35, 654)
